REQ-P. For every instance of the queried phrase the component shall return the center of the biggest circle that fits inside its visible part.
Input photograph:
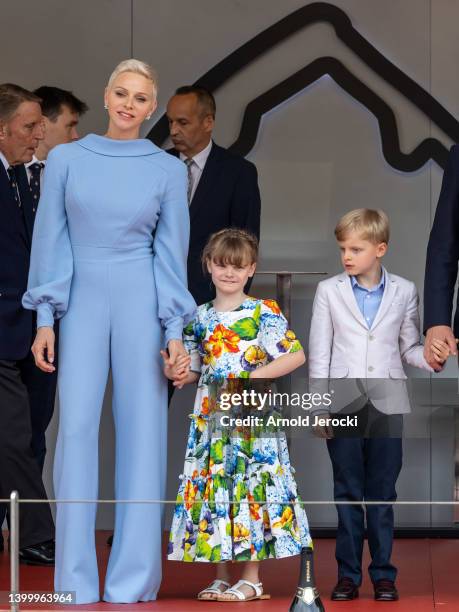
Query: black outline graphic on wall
(429, 148)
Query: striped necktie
(189, 162)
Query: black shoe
(345, 590)
(385, 590)
(38, 554)
(110, 540)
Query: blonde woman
(109, 259)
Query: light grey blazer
(341, 346)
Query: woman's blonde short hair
(138, 67)
(232, 246)
(371, 225)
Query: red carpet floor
(428, 581)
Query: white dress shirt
(5, 162)
(198, 166)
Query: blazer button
(370, 368)
(371, 337)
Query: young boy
(364, 323)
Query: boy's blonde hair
(231, 246)
(372, 225)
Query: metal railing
(15, 502)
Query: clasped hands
(176, 363)
(439, 345)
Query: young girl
(235, 336)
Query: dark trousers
(41, 387)
(366, 469)
(19, 469)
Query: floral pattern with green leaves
(266, 519)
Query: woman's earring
(147, 117)
(106, 106)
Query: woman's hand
(175, 348)
(43, 349)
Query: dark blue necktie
(35, 177)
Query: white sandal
(214, 590)
(239, 595)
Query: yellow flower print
(289, 343)
(190, 494)
(253, 357)
(201, 423)
(240, 532)
(286, 519)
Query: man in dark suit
(441, 264)
(21, 130)
(222, 187)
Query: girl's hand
(44, 344)
(179, 370)
(440, 350)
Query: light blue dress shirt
(369, 300)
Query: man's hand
(442, 333)
(44, 341)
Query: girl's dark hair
(231, 246)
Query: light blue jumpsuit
(109, 258)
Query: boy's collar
(380, 285)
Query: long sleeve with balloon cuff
(51, 263)
(176, 307)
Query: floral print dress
(220, 466)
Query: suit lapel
(26, 199)
(390, 289)
(5, 186)
(9, 207)
(345, 289)
(208, 178)
(7, 191)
